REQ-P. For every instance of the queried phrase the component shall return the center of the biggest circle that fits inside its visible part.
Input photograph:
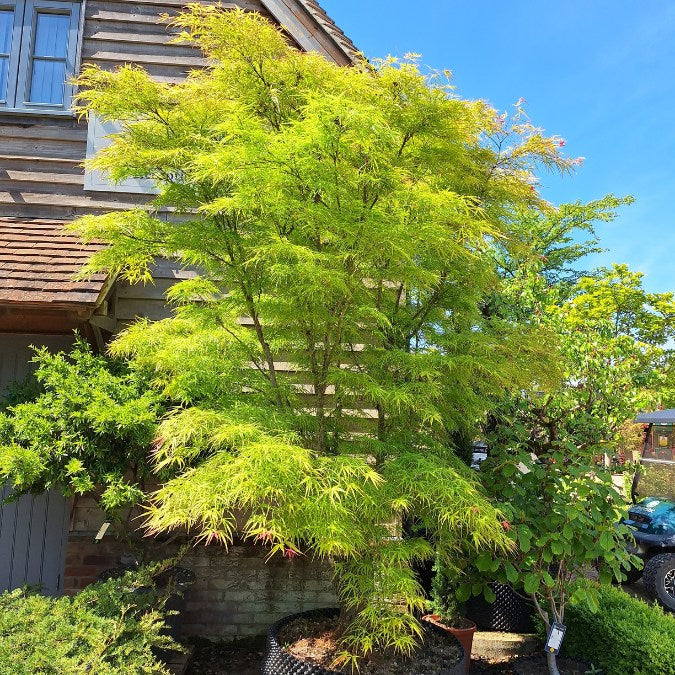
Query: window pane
(4, 63)
(6, 23)
(48, 81)
(51, 35)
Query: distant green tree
(546, 255)
(350, 214)
(613, 355)
(546, 442)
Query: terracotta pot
(464, 635)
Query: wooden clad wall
(132, 301)
(41, 175)
(16, 354)
(33, 537)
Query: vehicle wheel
(659, 579)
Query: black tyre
(659, 579)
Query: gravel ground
(222, 659)
(216, 659)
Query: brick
(98, 560)
(241, 596)
(81, 571)
(195, 561)
(230, 583)
(237, 594)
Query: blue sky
(600, 74)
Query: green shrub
(626, 636)
(83, 421)
(109, 628)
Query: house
(45, 539)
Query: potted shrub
(562, 515)
(446, 609)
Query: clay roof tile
(38, 260)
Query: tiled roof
(320, 16)
(38, 261)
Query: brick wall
(237, 593)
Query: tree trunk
(552, 664)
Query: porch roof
(38, 260)
(657, 417)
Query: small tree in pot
(446, 610)
(562, 515)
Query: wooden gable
(41, 174)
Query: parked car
(652, 517)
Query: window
(38, 45)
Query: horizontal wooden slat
(50, 150)
(41, 177)
(113, 200)
(43, 132)
(143, 59)
(41, 163)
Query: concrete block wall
(237, 593)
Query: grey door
(34, 529)
(33, 537)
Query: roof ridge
(336, 33)
(285, 12)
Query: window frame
(22, 52)
(17, 6)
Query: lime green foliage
(351, 215)
(90, 425)
(109, 628)
(626, 636)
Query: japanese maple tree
(343, 222)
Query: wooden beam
(281, 12)
(105, 322)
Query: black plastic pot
(510, 612)
(279, 662)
